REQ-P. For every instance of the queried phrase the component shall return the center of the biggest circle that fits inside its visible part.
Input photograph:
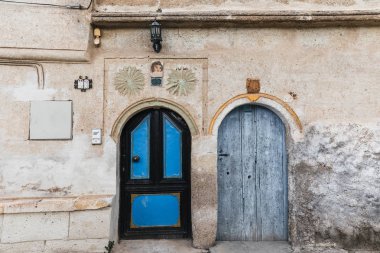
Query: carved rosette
(181, 82)
(129, 80)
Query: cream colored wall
(325, 68)
(45, 168)
(44, 33)
(315, 64)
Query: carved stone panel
(128, 81)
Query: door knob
(135, 158)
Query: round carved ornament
(181, 82)
(129, 80)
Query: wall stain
(337, 203)
(293, 94)
(55, 189)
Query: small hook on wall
(97, 35)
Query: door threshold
(249, 246)
(156, 246)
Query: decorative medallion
(181, 82)
(253, 86)
(129, 80)
(156, 73)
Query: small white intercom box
(96, 136)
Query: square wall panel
(51, 120)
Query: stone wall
(202, 5)
(335, 174)
(55, 224)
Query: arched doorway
(155, 147)
(252, 176)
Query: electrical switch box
(96, 136)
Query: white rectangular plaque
(51, 120)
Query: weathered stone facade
(318, 58)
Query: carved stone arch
(278, 106)
(139, 106)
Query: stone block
(1, 225)
(204, 227)
(91, 245)
(23, 247)
(90, 224)
(34, 227)
(312, 249)
(59, 204)
(365, 251)
(128, 2)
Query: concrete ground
(156, 246)
(184, 246)
(254, 247)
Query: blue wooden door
(155, 176)
(252, 176)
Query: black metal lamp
(155, 36)
(83, 84)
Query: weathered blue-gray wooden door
(252, 176)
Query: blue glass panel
(172, 150)
(155, 210)
(140, 148)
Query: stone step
(156, 246)
(254, 247)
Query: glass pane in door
(172, 150)
(140, 150)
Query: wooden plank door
(155, 176)
(252, 176)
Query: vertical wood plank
(248, 157)
(272, 183)
(230, 211)
(258, 219)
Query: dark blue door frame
(155, 150)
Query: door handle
(135, 158)
(223, 154)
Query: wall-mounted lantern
(83, 84)
(155, 36)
